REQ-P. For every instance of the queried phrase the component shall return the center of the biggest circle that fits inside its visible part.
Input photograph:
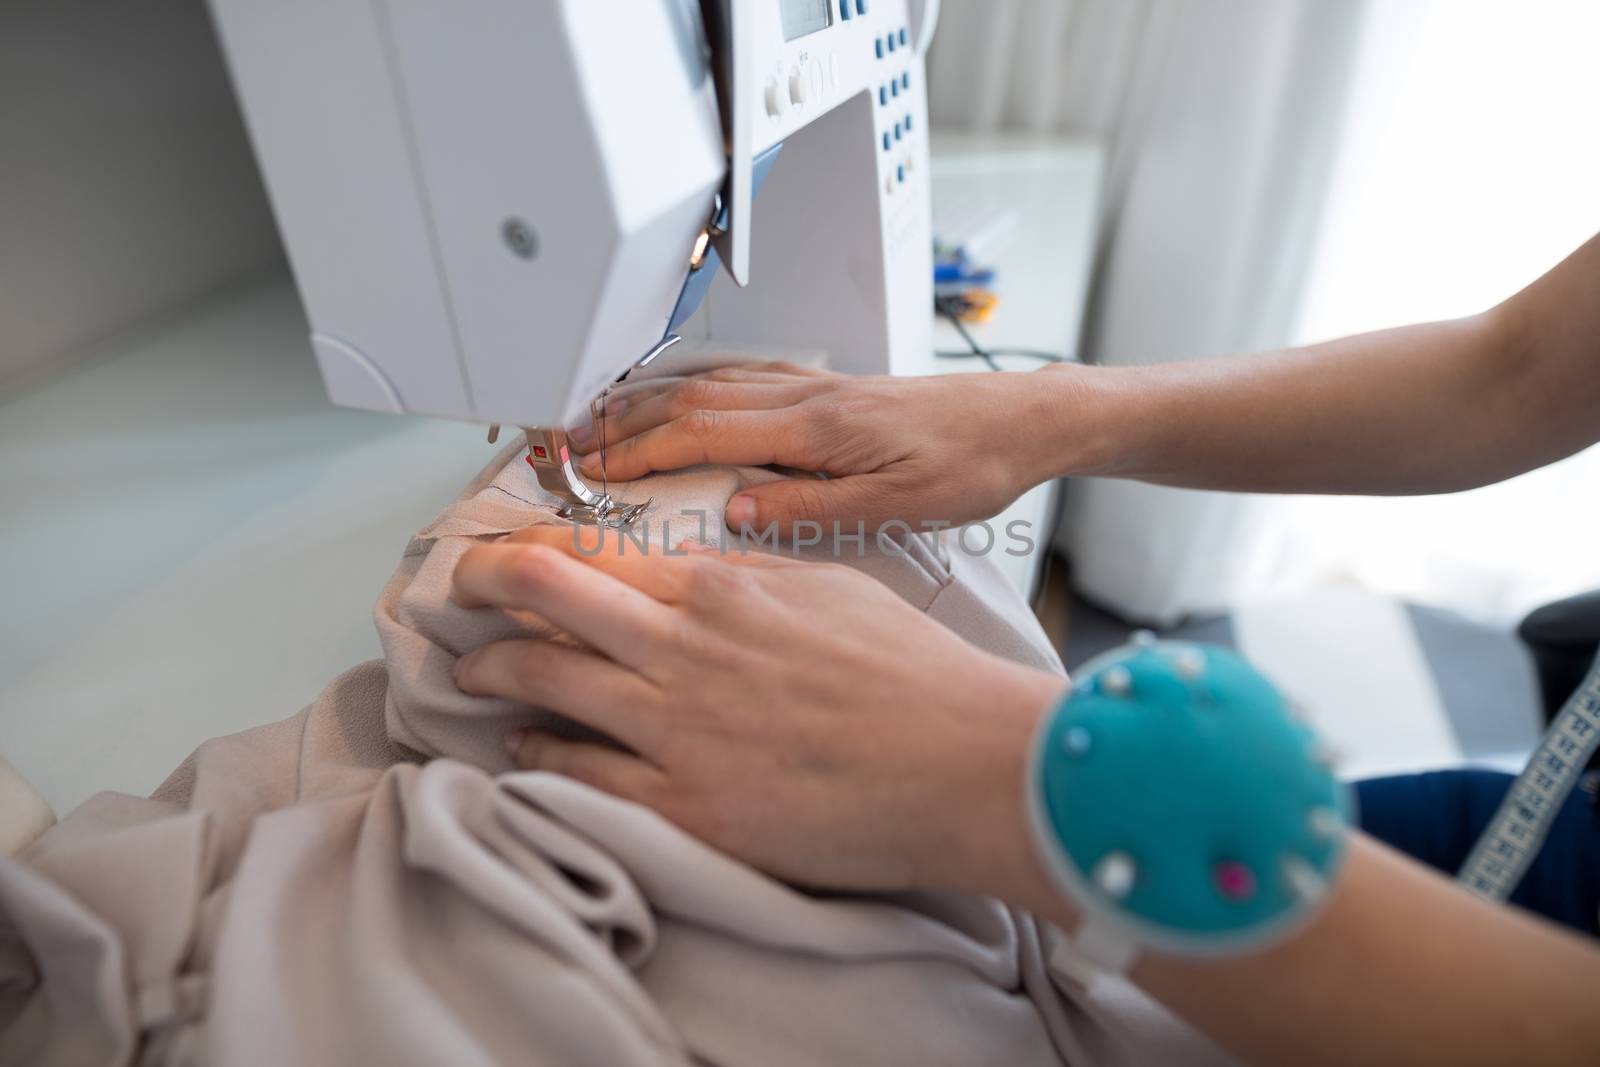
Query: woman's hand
(949, 448)
(802, 718)
(798, 716)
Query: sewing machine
(495, 209)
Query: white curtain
(1221, 119)
(1468, 167)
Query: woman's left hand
(798, 716)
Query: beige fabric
(308, 892)
(24, 814)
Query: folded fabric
(370, 881)
(24, 814)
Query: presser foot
(551, 461)
(606, 512)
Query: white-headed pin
(1116, 681)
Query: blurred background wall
(127, 187)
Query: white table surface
(191, 541)
(192, 536)
(1042, 265)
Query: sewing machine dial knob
(799, 88)
(776, 100)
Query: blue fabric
(1436, 817)
(1183, 759)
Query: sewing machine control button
(886, 140)
(902, 36)
(799, 88)
(844, 9)
(861, 7)
(877, 46)
(883, 95)
(889, 40)
(776, 100)
(900, 173)
(894, 88)
(905, 80)
(908, 123)
(897, 131)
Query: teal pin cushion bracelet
(1182, 806)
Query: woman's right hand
(942, 449)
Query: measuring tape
(1516, 833)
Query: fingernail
(581, 437)
(617, 406)
(513, 742)
(741, 513)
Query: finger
(772, 371)
(784, 366)
(608, 770)
(735, 554)
(768, 370)
(601, 610)
(633, 392)
(693, 395)
(664, 569)
(745, 438)
(612, 405)
(649, 566)
(862, 500)
(751, 376)
(580, 685)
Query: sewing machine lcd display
(801, 17)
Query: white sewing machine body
(491, 207)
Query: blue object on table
(1182, 805)
(947, 274)
(951, 267)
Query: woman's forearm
(1376, 413)
(1400, 967)
(1403, 967)
(1421, 409)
